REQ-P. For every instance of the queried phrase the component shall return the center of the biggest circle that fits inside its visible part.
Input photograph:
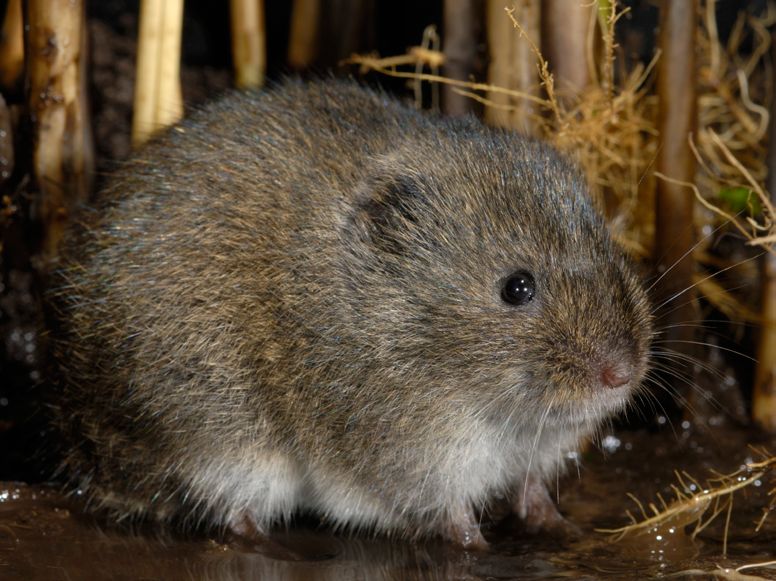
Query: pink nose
(615, 376)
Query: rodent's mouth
(590, 405)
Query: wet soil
(44, 535)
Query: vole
(318, 299)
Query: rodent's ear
(389, 207)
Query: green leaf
(740, 200)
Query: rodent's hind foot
(464, 530)
(535, 507)
(243, 533)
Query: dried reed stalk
(7, 153)
(565, 28)
(249, 44)
(62, 162)
(460, 50)
(764, 394)
(674, 204)
(11, 46)
(303, 37)
(512, 65)
(158, 102)
(693, 500)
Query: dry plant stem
(718, 296)
(7, 155)
(548, 80)
(427, 53)
(512, 65)
(54, 80)
(712, 291)
(565, 25)
(86, 143)
(674, 235)
(764, 394)
(158, 100)
(731, 125)
(611, 132)
(249, 45)
(303, 37)
(147, 69)
(426, 56)
(169, 100)
(459, 45)
(11, 46)
(609, 22)
(372, 64)
(688, 509)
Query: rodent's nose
(615, 375)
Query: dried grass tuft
(691, 507)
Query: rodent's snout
(616, 374)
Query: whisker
(704, 323)
(535, 447)
(652, 397)
(712, 345)
(684, 358)
(692, 286)
(683, 401)
(695, 299)
(633, 197)
(701, 241)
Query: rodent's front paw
(464, 529)
(535, 507)
(244, 532)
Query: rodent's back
(309, 284)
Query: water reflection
(43, 536)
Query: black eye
(518, 289)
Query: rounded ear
(391, 207)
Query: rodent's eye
(518, 289)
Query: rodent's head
(479, 268)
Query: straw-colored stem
(55, 80)
(512, 64)
(169, 101)
(7, 153)
(303, 37)
(158, 101)
(565, 26)
(249, 51)
(11, 46)
(147, 69)
(459, 44)
(764, 394)
(674, 204)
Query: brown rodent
(319, 299)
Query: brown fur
(293, 300)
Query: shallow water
(44, 536)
